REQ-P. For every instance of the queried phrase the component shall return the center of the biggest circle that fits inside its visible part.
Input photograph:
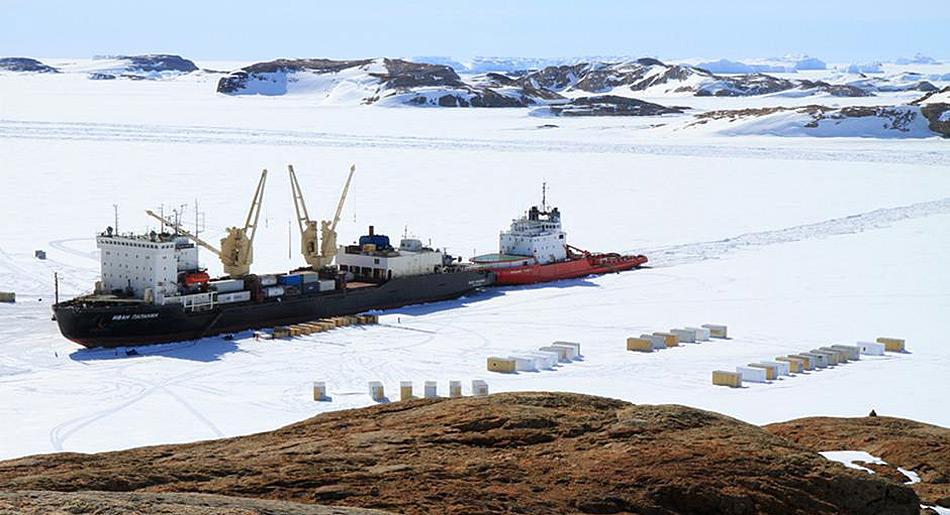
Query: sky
(833, 30)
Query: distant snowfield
(794, 243)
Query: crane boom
(339, 206)
(303, 218)
(255, 208)
(183, 232)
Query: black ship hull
(114, 324)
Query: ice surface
(793, 243)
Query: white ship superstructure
(537, 235)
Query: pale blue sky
(254, 30)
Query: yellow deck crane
(308, 228)
(237, 248)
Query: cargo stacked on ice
(152, 288)
(534, 249)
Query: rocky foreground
(525, 452)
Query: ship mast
(544, 196)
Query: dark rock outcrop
(525, 452)
(25, 64)
(610, 105)
(158, 63)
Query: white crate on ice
(684, 335)
(525, 363)
(545, 360)
(751, 374)
(572, 351)
(319, 390)
(818, 360)
(871, 348)
(853, 351)
(782, 367)
(716, 330)
(577, 347)
(657, 341)
(431, 389)
(563, 353)
(702, 334)
(479, 388)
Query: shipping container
(311, 287)
(455, 389)
(431, 390)
(781, 366)
(871, 348)
(503, 365)
(771, 371)
(273, 291)
(723, 378)
(227, 285)
(327, 284)
(702, 333)
(751, 374)
(573, 345)
(405, 390)
(479, 388)
(658, 341)
(640, 344)
(268, 280)
(319, 390)
(716, 330)
(376, 391)
(238, 296)
(684, 335)
(892, 344)
(290, 279)
(563, 353)
(795, 365)
(309, 277)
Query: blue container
(311, 287)
(290, 280)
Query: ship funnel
(371, 230)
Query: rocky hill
(25, 64)
(914, 446)
(139, 67)
(398, 82)
(525, 452)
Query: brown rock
(529, 452)
(922, 448)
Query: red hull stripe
(566, 269)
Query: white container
(525, 363)
(238, 296)
(716, 330)
(818, 360)
(806, 365)
(273, 291)
(702, 334)
(319, 391)
(781, 366)
(658, 342)
(871, 348)
(327, 284)
(563, 353)
(752, 374)
(268, 280)
(455, 389)
(840, 355)
(431, 390)
(479, 388)
(227, 285)
(853, 351)
(545, 360)
(577, 347)
(376, 391)
(572, 351)
(830, 357)
(685, 336)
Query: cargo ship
(535, 250)
(153, 290)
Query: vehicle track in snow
(662, 257)
(39, 130)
